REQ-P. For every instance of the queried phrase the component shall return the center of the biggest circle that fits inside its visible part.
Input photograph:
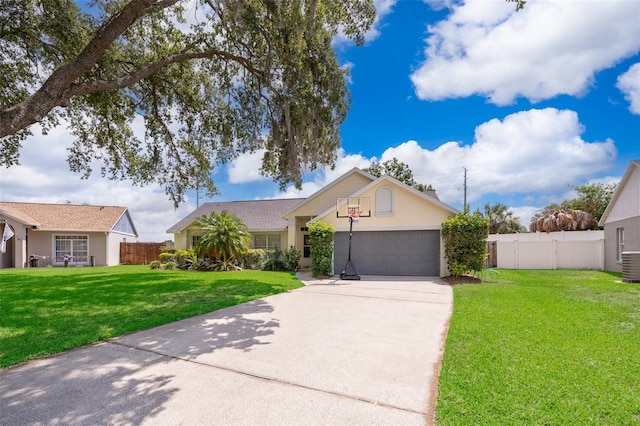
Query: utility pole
(465, 187)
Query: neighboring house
(402, 236)
(53, 232)
(621, 219)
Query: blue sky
(531, 103)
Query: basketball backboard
(353, 207)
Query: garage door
(389, 252)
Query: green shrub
(169, 265)
(292, 259)
(321, 241)
(155, 264)
(465, 242)
(275, 261)
(166, 256)
(253, 259)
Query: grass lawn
(49, 310)
(543, 347)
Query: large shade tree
(205, 79)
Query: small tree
(224, 237)
(397, 170)
(321, 239)
(501, 219)
(465, 242)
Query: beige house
(400, 237)
(47, 234)
(621, 219)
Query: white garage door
(389, 252)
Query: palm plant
(563, 220)
(501, 219)
(224, 237)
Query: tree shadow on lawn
(130, 378)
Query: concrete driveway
(331, 352)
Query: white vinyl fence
(554, 250)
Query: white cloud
(246, 168)
(551, 47)
(524, 214)
(629, 84)
(535, 151)
(44, 177)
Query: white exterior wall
(564, 250)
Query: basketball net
(354, 213)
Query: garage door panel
(390, 252)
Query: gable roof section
(256, 214)
(385, 178)
(635, 165)
(331, 185)
(65, 217)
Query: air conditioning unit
(631, 266)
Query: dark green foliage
(278, 260)
(243, 76)
(501, 219)
(465, 242)
(321, 239)
(252, 259)
(224, 237)
(275, 261)
(292, 258)
(397, 170)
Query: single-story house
(400, 237)
(621, 219)
(52, 233)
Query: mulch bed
(465, 279)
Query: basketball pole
(350, 272)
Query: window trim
(379, 192)
(619, 244)
(72, 238)
(269, 245)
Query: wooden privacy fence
(139, 253)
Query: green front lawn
(49, 310)
(544, 348)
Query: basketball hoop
(354, 208)
(354, 213)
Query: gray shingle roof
(256, 214)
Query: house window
(195, 240)
(619, 243)
(74, 248)
(266, 241)
(384, 200)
